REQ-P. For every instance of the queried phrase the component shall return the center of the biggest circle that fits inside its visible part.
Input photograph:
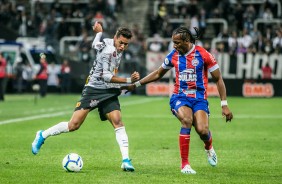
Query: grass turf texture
(248, 148)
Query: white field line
(39, 111)
(241, 116)
(61, 113)
(15, 120)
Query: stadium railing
(266, 21)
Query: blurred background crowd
(232, 26)
(243, 32)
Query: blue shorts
(177, 101)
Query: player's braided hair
(125, 32)
(186, 34)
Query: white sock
(56, 129)
(122, 140)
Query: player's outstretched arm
(154, 76)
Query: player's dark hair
(125, 32)
(186, 34)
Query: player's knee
(74, 125)
(203, 131)
(187, 121)
(117, 123)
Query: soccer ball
(72, 162)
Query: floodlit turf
(249, 148)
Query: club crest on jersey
(195, 62)
(114, 54)
(78, 104)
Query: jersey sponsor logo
(187, 71)
(93, 103)
(189, 91)
(188, 75)
(195, 62)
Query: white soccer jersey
(105, 65)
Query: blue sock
(185, 131)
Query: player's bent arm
(116, 79)
(97, 28)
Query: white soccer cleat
(188, 170)
(212, 158)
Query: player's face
(179, 44)
(121, 43)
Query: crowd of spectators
(242, 35)
(56, 19)
(53, 20)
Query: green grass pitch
(249, 148)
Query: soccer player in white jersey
(101, 91)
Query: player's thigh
(115, 118)
(110, 110)
(201, 121)
(185, 116)
(78, 118)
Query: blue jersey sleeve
(167, 64)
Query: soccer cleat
(37, 143)
(126, 165)
(212, 158)
(187, 170)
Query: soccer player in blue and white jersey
(100, 91)
(189, 99)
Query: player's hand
(227, 113)
(97, 27)
(129, 88)
(135, 76)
